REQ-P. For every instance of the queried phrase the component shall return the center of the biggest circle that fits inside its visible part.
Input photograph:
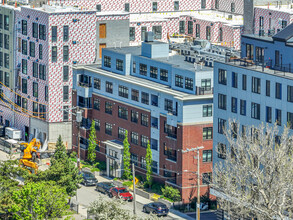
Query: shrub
(157, 188)
(102, 165)
(127, 183)
(171, 193)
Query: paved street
(86, 195)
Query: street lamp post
(198, 178)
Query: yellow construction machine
(28, 159)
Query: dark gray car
(105, 187)
(157, 208)
(88, 178)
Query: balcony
(172, 135)
(204, 91)
(84, 89)
(154, 122)
(262, 66)
(172, 118)
(154, 144)
(84, 84)
(154, 100)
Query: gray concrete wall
(248, 17)
(61, 128)
(116, 31)
(41, 127)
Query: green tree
(171, 193)
(62, 171)
(60, 151)
(38, 201)
(149, 162)
(8, 172)
(112, 210)
(126, 158)
(91, 154)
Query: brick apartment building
(155, 97)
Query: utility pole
(198, 187)
(198, 178)
(78, 120)
(134, 200)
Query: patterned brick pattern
(137, 6)
(231, 34)
(276, 17)
(83, 31)
(226, 6)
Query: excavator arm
(29, 155)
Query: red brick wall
(117, 122)
(192, 137)
(188, 136)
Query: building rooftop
(56, 8)
(287, 73)
(285, 34)
(208, 15)
(258, 37)
(103, 13)
(178, 61)
(144, 83)
(280, 8)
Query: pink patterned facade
(230, 32)
(137, 6)
(50, 97)
(272, 18)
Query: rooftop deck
(285, 71)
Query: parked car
(89, 179)
(157, 208)
(104, 187)
(204, 206)
(121, 192)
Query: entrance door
(113, 168)
(26, 133)
(101, 47)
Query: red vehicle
(121, 192)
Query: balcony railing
(204, 91)
(172, 112)
(85, 84)
(262, 65)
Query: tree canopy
(255, 175)
(112, 210)
(62, 171)
(149, 163)
(126, 158)
(91, 153)
(38, 201)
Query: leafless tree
(255, 174)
